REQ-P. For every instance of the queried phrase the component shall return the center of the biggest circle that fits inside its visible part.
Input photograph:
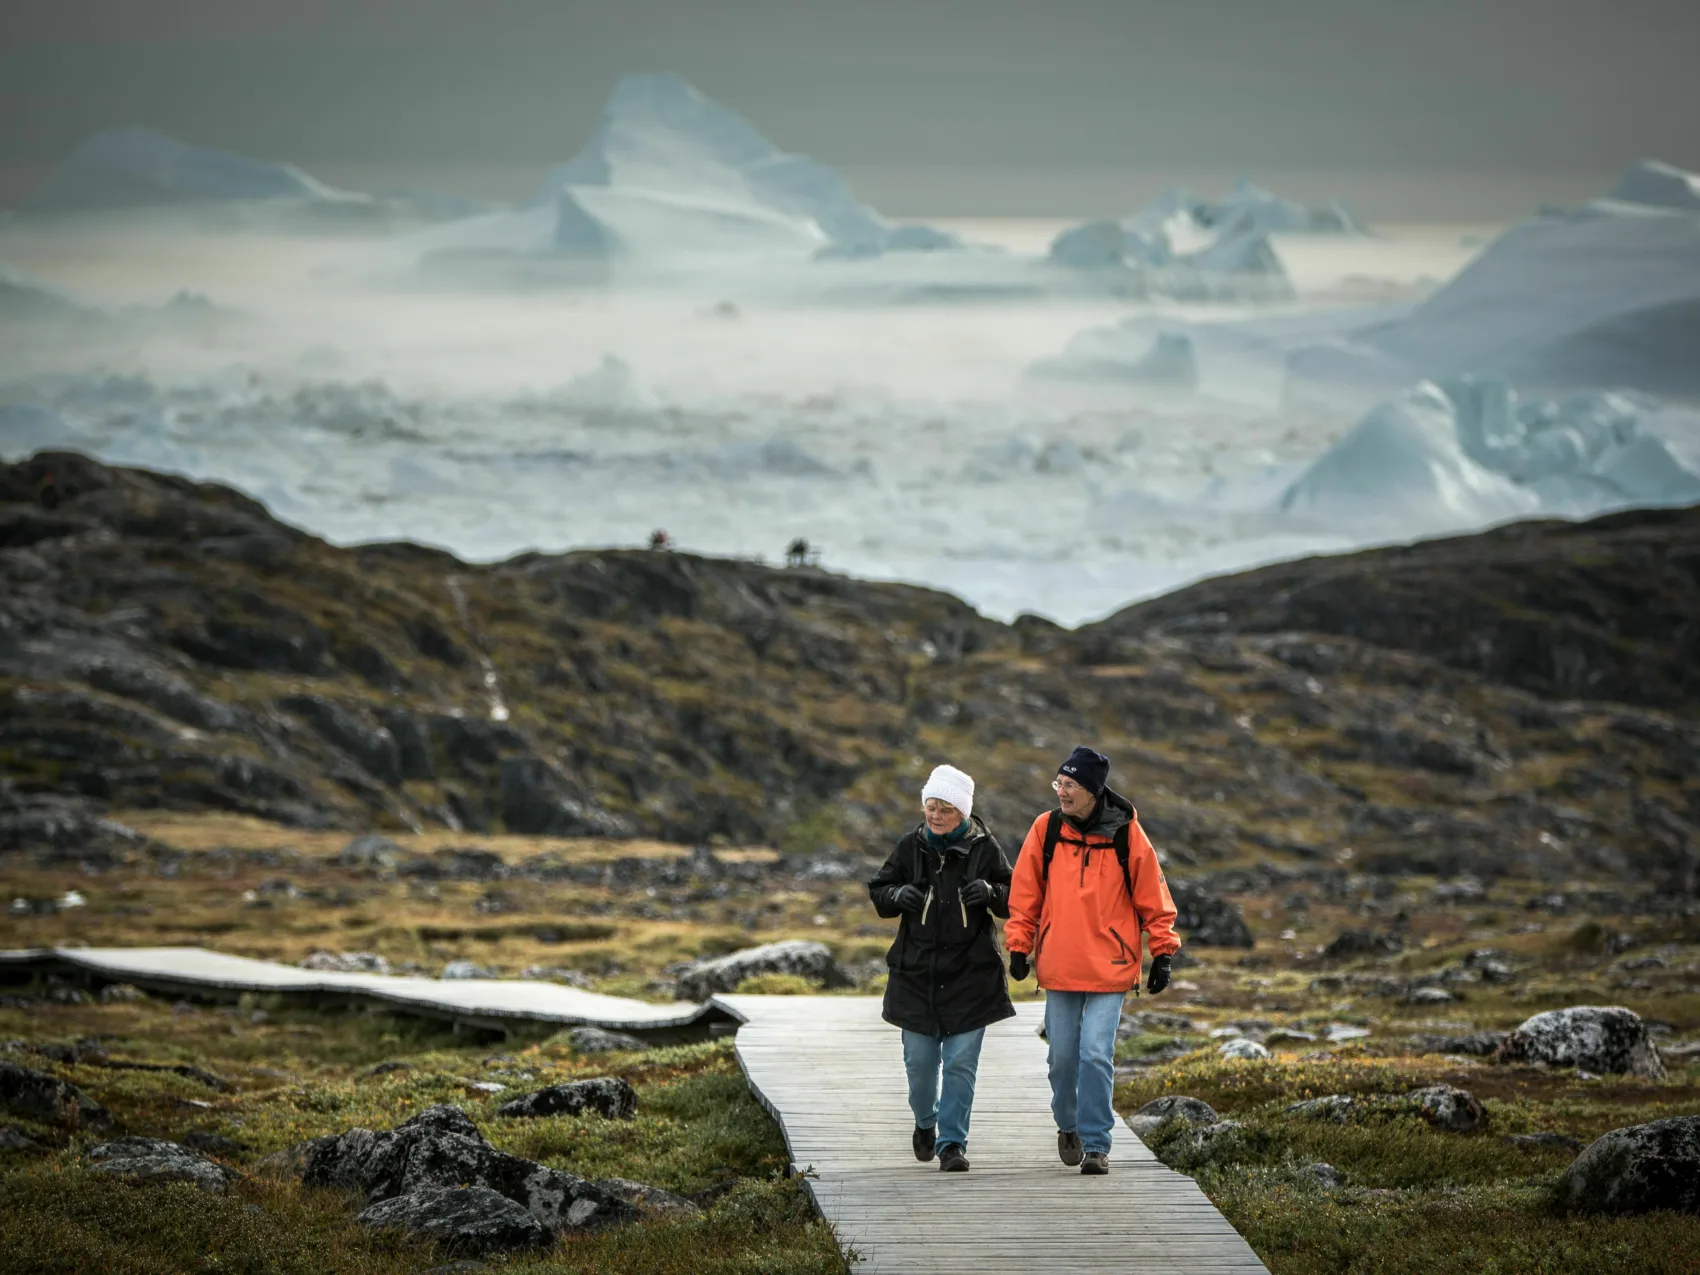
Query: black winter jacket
(946, 973)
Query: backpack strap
(1053, 833)
(1123, 853)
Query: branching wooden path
(831, 1072)
(485, 1002)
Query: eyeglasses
(1065, 787)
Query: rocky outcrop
(152, 1160)
(442, 1147)
(472, 1221)
(713, 975)
(1605, 1039)
(608, 1096)
(1205, 920)
(650, 1201)
(1636, 1170)
(36, 1095)
(1160, 1112)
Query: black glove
(1018, 967)
(908, 898)
(1159, 977)
(976, 893)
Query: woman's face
(942, 817)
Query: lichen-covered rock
(1606, 1039)
(36, 1095)
(715, 974)
(462, 1219)
(598, 1040)
(1159, 1112)
(1242, 1047)
(346, 962)
(1326, 1175)
(1355, 943)
(1450, 1108)
(155, 1160)
(442, 1147)
(1199, 1145)
(1544, 1141)
(1337, 1107)
(1637, 1169)
(609, 1096)
(13, 1138)
(1479, 1044)
(651, 1201)
(371, 853)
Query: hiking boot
(923, 1143)
(952, 1158)
(1068, 1147)
(1097, 1163)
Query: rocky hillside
(166, 644)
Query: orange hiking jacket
(1081, 928)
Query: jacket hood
(1113, 810)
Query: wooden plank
(831, 1072)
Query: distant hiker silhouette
(659, 540)
(797, 553)
(47, 492)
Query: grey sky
(996, 106)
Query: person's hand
(1159, 976)
(1018, 966)
(909, 899)
(976, 893)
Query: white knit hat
(947, 783)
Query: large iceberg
(1470, 451)
(671, 175)
(131, 167)
(1605, 295)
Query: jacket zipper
(1039, 947)
(926, 906)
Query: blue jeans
(959, 1058)
(1081, 1030)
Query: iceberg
(1658, 185)
(1470, 451)
(671, 176)
(134, 167)
(1404, 466)
(1192, 249)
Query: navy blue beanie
(1088, 769)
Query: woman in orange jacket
(1086, 884)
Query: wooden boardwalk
(484, 1002)
(831, 1072)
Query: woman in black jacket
(947, 878)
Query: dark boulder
(715, 974)
(1206, 920)
(152, 1160)
(442, 1147)
(1637, 1169)
(1480, 1044)
(36, 1095)
(1606, 1039)
(1355, 943)
(462, 1219)
(609, 1096)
